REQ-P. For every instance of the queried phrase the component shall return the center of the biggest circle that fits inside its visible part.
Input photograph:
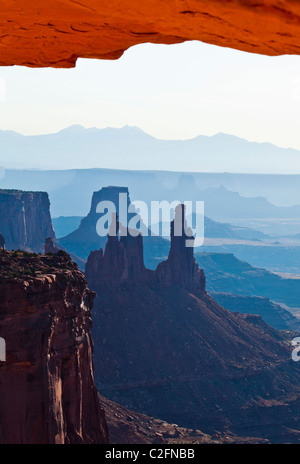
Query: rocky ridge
(129, 427)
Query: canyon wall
(25, 220)
(47, 390)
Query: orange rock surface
(55, 33)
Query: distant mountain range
(132, 148)
(265, 202)
(70, 192)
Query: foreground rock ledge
(47, 390)
(56, 33)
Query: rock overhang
(57, 32)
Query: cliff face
(47, 391)
(25, 220)
(90, 29)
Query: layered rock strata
(47, 390)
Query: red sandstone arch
(55, 33)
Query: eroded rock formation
(164, 347)
(123, 261)
(181, 268)
(86, 238)
(56, 33)
(25, 219)
(50, 247)
(47, 390)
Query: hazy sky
(170, 91)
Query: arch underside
(55, 33)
